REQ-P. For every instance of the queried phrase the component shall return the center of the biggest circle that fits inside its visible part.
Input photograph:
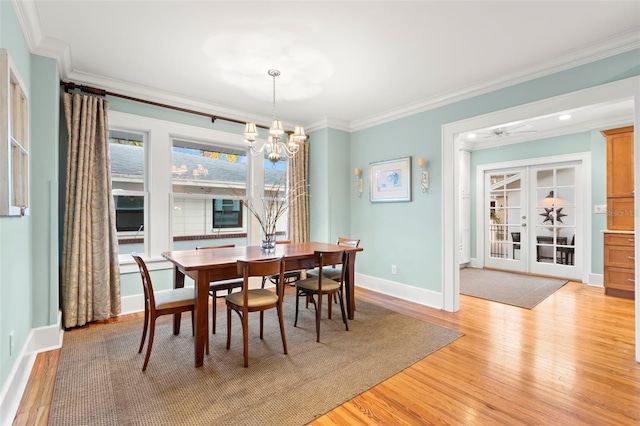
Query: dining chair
(567, 252)
(156, 304)
(321, 285)
(289, 276)
(333, 272)
(515, 237)
(216, 286)
(256, 300)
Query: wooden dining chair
(166, 302)
(256, 300)
(289, 276)
(333, 272)
(321, 285)
(216, 286)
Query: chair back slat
(146, 280)
(261, 267)
(348, 242)
(325, 258)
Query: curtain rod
(69, 85)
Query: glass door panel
(555, 220)
(504, 221)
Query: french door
(531, 219)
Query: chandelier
(275, 148)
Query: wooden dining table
(204, 266)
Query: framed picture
(390, 180)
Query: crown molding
(602, 49)
(327, 122)
(29, 18)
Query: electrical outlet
(600, 209)
(394, 270)
(11, 343)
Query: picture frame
(390, 180)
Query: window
(14, 141)
(227, 213)
(208, 183)
(126, 154)
(168, 180)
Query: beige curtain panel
(299, 208)
(90, 271)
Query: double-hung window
(126, 154)
(208, 183)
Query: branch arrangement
(275, 205)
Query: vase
(268, 242)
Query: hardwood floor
(570, 360)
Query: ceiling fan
(504, 131)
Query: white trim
(623, 89)
(40, 339)
(401, 291)
(596, 280)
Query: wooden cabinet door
(619, 162)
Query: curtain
(299, 204)
(90, 271)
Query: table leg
(201, 313)
(178, 282)
(350, 284)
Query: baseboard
(39, 340)
(596, 280)
(410, 293)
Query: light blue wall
(409, 234)
(319, 161)
(405, 234)
(45, 101)
(15, 232)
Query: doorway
(530, 217)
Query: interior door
(506, 220)
(531, 220)
(554, 242)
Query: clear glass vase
(268, 242)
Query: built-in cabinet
(619, 238)
(14, 140)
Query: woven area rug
(520, 290)
(100, 382)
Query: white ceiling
(349, 64)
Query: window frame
(158, 145)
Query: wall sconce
(424, 175)
(359, 182)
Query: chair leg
(228, 327)
(344, 316)
(213, 314)
(261, 324)
(152, 330)
(329, 300)
(295, 322)
(245, 339)
(281, 319)
(318, 316)
(144, 329)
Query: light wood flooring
(568, 361)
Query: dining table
(205, 266)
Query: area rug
(525, 291)
(100, 382)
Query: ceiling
(346, 64)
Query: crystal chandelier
(274, 147)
